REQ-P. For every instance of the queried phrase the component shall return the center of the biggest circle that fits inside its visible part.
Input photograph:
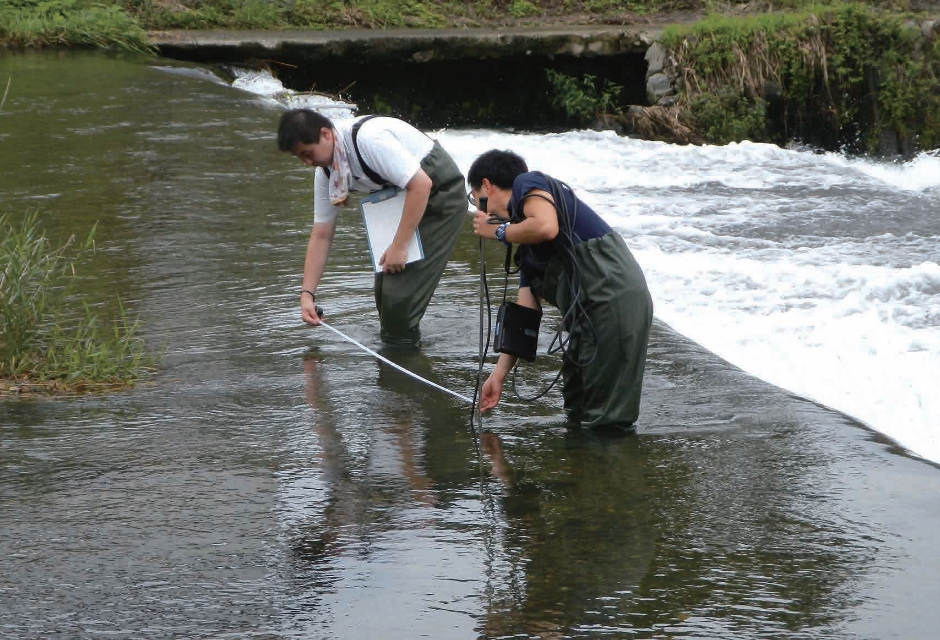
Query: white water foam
(263, 84)
(920, 174)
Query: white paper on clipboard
(381, 213)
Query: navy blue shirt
(585, 222)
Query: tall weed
(41, 341)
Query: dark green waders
(402, 298)
(606, 392)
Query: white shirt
(391, 147)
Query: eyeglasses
(471, 199)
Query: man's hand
(491, 393)
(308, 310)
(482, 226)
(393, 260)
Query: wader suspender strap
(373, 176)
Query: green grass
(71, 23)
(370, 14)
(46, 346)
(122, 24)
(383, 14)
(845, 70)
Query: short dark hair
(498, 166)
(300, 125)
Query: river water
(276, 481)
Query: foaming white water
(265, 85)
(814, 272)
(920, 174)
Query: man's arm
(318, 249)
(493, 387)
(539, 224)
(417, 192)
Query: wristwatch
(501, 232)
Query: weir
(435, 78)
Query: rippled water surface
(275, 481)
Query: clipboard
(381, 214)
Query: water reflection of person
(579, 520)
(566, 525)
(359, 476)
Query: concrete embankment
(418, 45)
(448, 77)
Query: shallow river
(276, 481)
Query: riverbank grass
(46, 346)
(840, 76)
(377, 14)
(70, 23)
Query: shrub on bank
(842, 76)
(583, 100)
(44, 347)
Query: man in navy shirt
(572, 259)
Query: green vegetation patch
(44, 345)
(583, 99)
(310, 14)
(836, 75)
(373, 14)
(73, 23)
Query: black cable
(484, 347)
(484, 296)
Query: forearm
(538, 224)
(417, 193)
(318, 250)
(529, 231)
(504, 365)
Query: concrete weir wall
(460, 77)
